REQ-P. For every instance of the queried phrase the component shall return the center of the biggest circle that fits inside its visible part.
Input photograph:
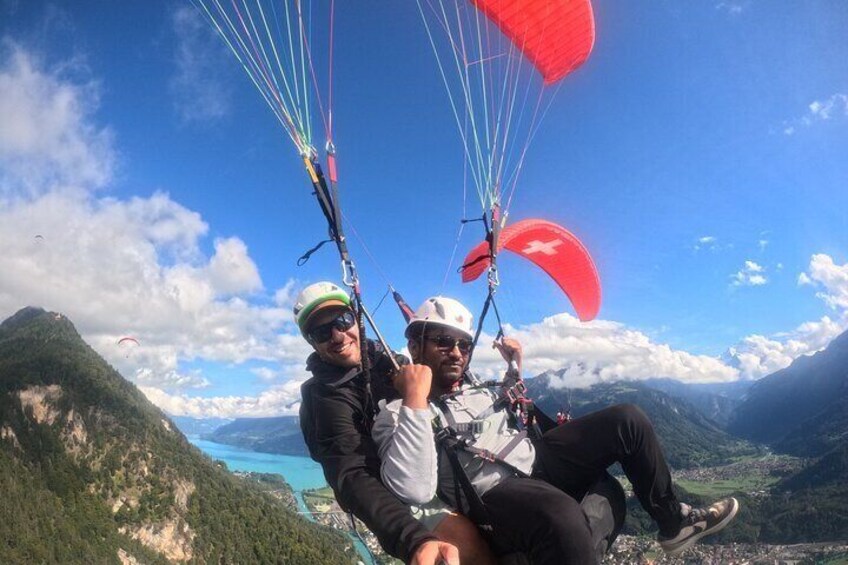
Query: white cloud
(835, 106)
(198, 86)
(171, 380)
(607, 351)
(599, 351)
(832, 108)
(734, 8)
(266, 373)
(832, 278)
(122, 267)
(277, 401)
(113, 267)
(285, 297)
(751, 274)
(231, 270)
(47, 140)
(756, 355)
(763, 243)
(706, 242)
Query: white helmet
(315, 297)
(442, 311)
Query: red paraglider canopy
(555, 35)
(557, 251)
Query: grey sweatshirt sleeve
(407, 449)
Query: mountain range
(267, 435)
(716, 401)
(92, 472)
(199, 426)
(802, 409)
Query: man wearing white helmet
(527, 490)
(335, 417)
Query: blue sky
(700, 154)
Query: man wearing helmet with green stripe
(336, 415)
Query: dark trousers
(542, 517)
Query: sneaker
(699, 522)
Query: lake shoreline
(301, 473)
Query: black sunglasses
(446, 343)
(322, 333)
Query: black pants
(541, 516)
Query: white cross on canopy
(546, 247)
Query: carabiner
(349, 277)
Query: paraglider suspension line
(490, 303)
(380, 303)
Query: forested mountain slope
(91, 472)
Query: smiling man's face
(342, 347)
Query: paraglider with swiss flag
(553, 249)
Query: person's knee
(630, 415)
(458, 530)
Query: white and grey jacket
(410, 466)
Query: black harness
(522, 417)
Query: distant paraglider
(127, 345)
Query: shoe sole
(715, 529)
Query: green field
(319, 500)
(319, 494)
(723, 487)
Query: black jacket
(336, 425)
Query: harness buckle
(516, 392)
(486, 455)
(475, 427)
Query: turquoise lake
(302, 473)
